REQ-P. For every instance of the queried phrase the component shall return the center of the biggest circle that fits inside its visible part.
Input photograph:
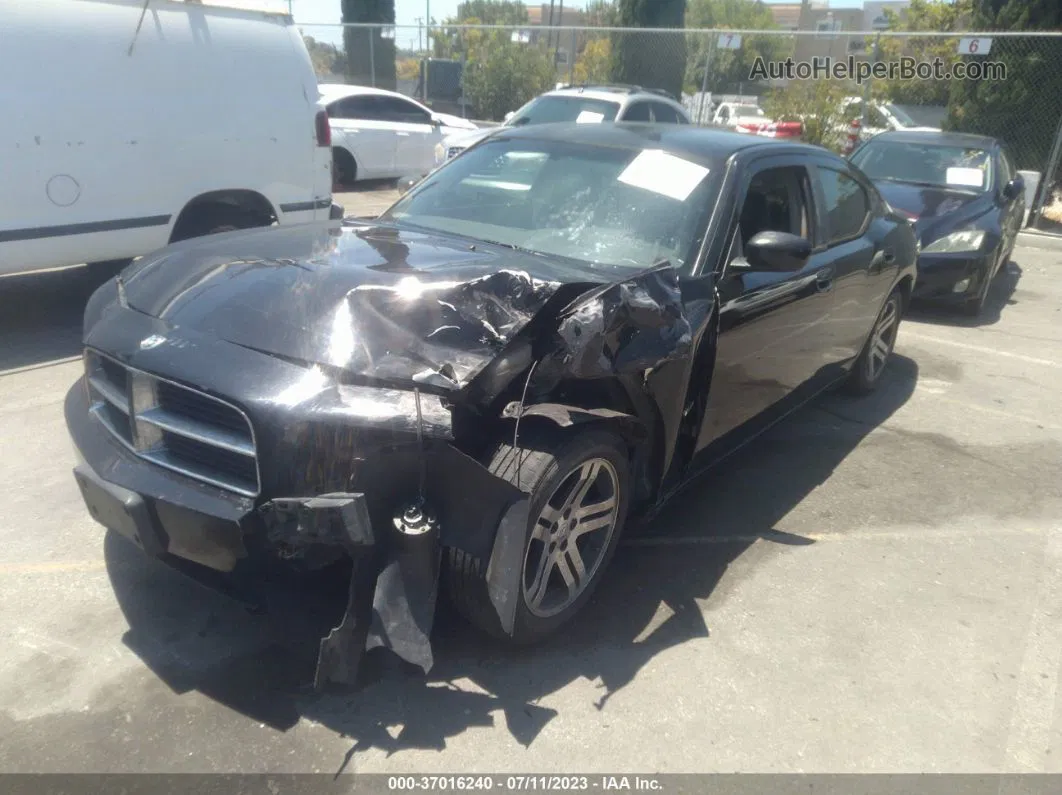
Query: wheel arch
(251, 201)
(340, 153)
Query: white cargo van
(128, 124)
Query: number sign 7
(729, 41)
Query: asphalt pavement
(873, 586)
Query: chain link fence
(1005, 85)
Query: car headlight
(966, 240)
(440, 154)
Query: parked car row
(589, 104)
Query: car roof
(937, 137)
(705, 144)
(611, 93)
(332, 91)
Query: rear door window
(639, 111)
(361, 108)
(664, 113)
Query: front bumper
(207, 534)
(952, 278)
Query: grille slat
(174, 426)
(199, 431)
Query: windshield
(748, 111)
(901, 116)
(552, 109)
(601, 205)
(953, 167)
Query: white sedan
(379, 134)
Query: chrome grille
(454, 151)
(174, 426)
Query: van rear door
(319, 133)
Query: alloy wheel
(570, 537)
(883, 338)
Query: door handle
(824, 279)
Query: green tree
(728, 69)
(502, 75)
(601, 14)
(493, 12)
(1023, 111)
(652, 60)
(370, 57)
(326, 58)
(817, 104)
(922, 16)
(594, 62)
(451, 43)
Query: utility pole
(549, 32)
(560, 23)
(427, 41)
(420, 34)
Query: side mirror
(406, 184)
(1014, 188)
(779, 252)
(436, 122)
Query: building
(874, 12)
(541, 18)
(787, 15)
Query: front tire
(975, 306)
(869, 367)
(579, 501)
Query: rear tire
(212, 219)
(872, 362)
(344, 168)
(558, 543)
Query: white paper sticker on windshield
(589, 117)
(973, 177)
(659, 172)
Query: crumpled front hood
(378, 302)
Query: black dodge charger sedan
(965, 199)
(475, 391)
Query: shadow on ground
(649, 602)
(1000, 296)
(41, 313)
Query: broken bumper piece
(393, 584)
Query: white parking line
(40, 366)
(1031, 723)
(981, 349)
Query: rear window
(553, 109)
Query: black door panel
(772, 329)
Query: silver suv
(589, 104)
